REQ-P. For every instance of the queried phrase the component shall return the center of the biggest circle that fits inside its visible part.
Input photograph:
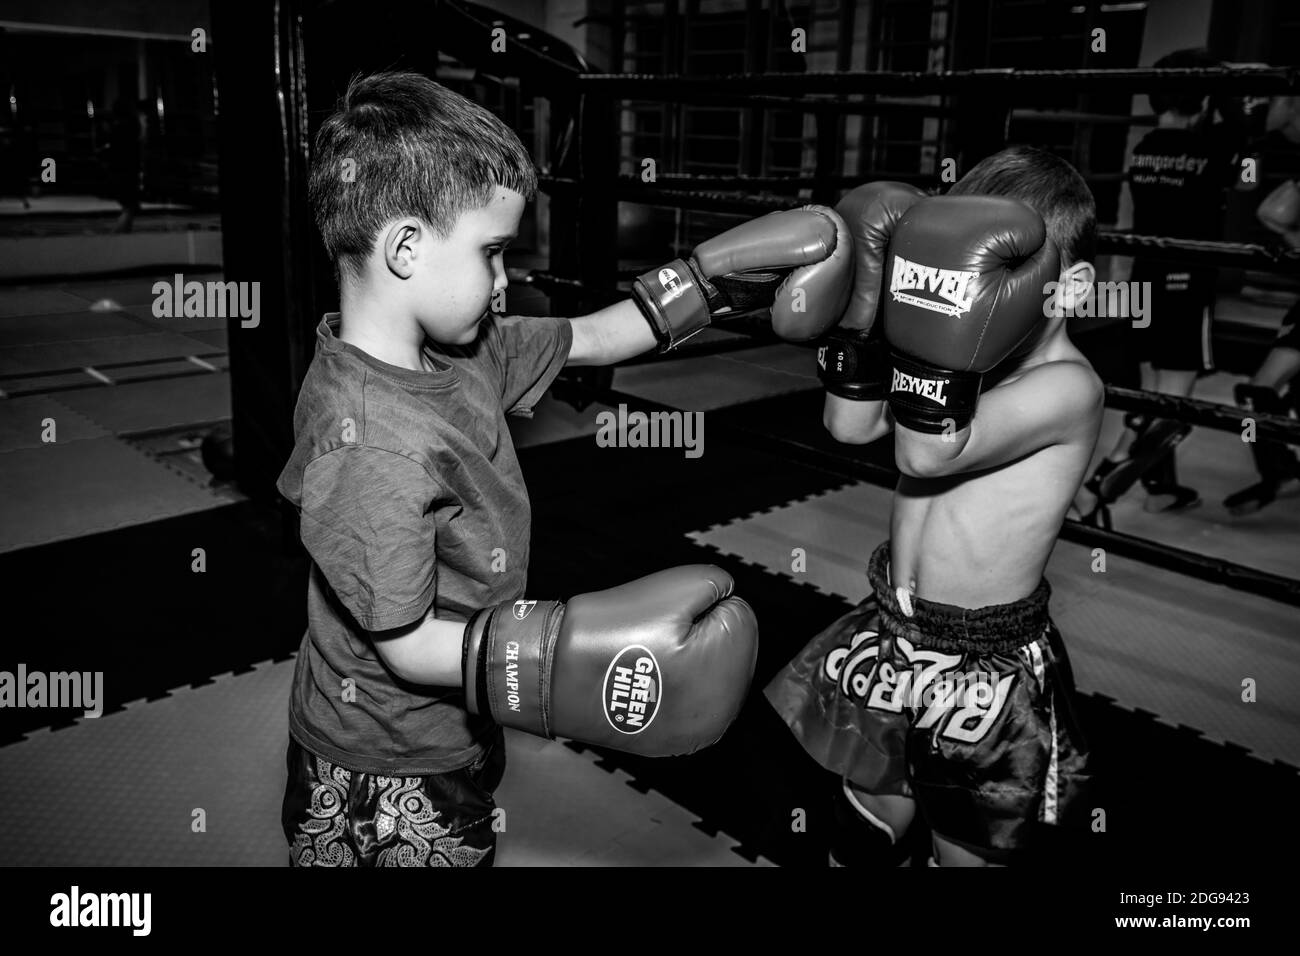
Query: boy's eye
(494, 251)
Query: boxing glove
(967, 283)
(852, 359)
(656, 667)
(798, 261)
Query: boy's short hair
(1182, 102)
(1047, 183)
(415, 149)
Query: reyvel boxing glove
(656, 667)
(798, 261)
(852, 358)
(967, 283)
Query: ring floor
(194, 681)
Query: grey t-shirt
(410, 495)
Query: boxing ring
(1163, 635)
(1146, 633)
(586, 278)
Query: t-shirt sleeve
(368, 525)
(533, 350)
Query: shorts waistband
(996, 628)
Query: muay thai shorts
(968, 711)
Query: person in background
(1178, 176)
(1269, 391)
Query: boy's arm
(611, 335)
(854, 422)
(427, 652)
(798, 262)
(852, 359)
(1049, 405)
(544, 667)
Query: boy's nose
(499, 278)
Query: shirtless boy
(949, 688)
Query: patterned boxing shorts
(337, 817)
(969, 712)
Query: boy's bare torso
(983, 538)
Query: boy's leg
(1175, 348)
(1124, 442)
(870, 829)
(1281, 364)
(947, 853)
(445, 819)
(983, 810)
(823, 696)
(1175, 381)
(889, 813)
(1183, 352)
(313, 812)
(838, 696)
(1143, 344)
(1274, 460)
(1108, 479)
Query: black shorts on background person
(1181, 302)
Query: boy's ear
(399, 244)
(1075, 284)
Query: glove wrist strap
(853, 364)
(931, 399)
(673, 302)
(507, 660)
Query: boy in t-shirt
(413, 505)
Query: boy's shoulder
(342, 404)
(1069, 371)
(1066, 383)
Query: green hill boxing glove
(657, 667)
